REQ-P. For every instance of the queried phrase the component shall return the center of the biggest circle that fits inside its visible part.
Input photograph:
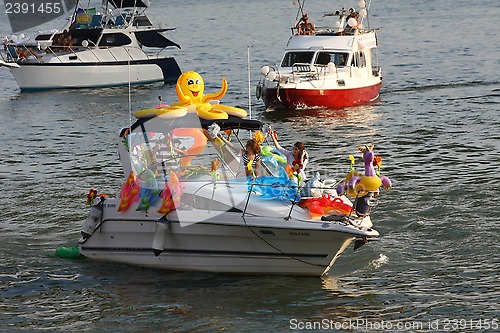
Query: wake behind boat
(185, 206)
(94, 49)
(328, 67)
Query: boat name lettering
(296, 233)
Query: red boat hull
(331, 98)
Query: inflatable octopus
(190, 90)
(359, 185)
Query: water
(436, 127)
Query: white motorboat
(115, 46)
(329, 67)
(182, 206)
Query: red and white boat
(331, 67)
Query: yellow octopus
(190, 89)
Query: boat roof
(153, 38)
(129, 3)
(191, 120)
(323, 42)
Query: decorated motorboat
(115, 46)
(184, 204)
(329, 67)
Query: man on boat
(304, 27)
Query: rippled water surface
(436, 126)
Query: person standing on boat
(304, 27)
(297, 156)
(352, 23)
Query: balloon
(272, 75)
(352, 22)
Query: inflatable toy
(190, 92)
(325, 204)
(164, 111)
(271, 187)
(129, 192)
(171, 194)
(275, 156)
(68, 252)
(90, 197)
(359, 185)
(149, 191)
(200, 142)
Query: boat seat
(230, 158)
(95, 21)
(119, 21)
(13, 52)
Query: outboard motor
(93, 219)
(364, 204)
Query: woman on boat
(250, 160)
(297, 156)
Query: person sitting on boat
(250, 160)
(25, 52)
(68, 42)
(304, 27)
(352, 23)
(293, 157)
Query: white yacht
(190, 211)
(113, 46)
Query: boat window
(292, 58)
(142, 21)
(338, 58)
(115, 39)
(359, 59)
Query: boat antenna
(249, 84)
(367, 8)
(129, 96)
(300, 12)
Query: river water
(435, 267)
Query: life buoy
(200, 142)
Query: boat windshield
(338, 58)
(189, 151)
(292, 58)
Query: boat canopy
(153, 38)
(129, 3)
(191, 120)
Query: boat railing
(58, 51)
(304, 69)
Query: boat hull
(292, 98)
(33, 76)
(221, 246)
